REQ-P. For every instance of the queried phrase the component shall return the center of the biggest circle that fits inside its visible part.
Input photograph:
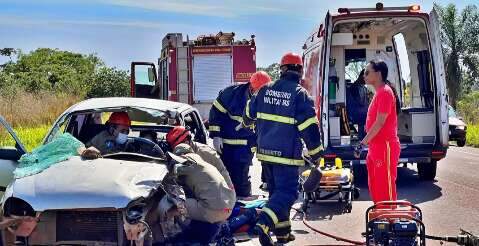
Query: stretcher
(337, 182)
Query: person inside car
(150, 135)
(110, 140)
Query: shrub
(468, 107)
(110, 82)
(472, 137)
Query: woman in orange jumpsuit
(381, 137)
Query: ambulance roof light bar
(380, 7)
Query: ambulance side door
(312, 58)
(440, 75)
(324, 70)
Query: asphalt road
(448, 203)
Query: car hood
(77, 184)
(453, 121)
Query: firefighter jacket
(226, 113)
(285, 118)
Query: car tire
(427, 171)
(461, 143)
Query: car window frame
(198, 123)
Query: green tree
(110, 82)
(273, 71)
(8, 52)
(460, 44)
(54, 70)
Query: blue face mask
(121, 138)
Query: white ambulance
(408, 40)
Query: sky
(121, 31)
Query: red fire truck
(194, 71)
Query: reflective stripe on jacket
(226, 113)
(285, 118)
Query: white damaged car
(107, 201)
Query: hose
(466, 238)
(337, 238)
(445, 239)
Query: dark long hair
(382, 67)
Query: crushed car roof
(118, 102)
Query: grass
(31, 115)
(31, 137)
(32, 110)
(472, 136)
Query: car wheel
(427, 171)
(461, 143)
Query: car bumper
(457, 134)
(410, 153)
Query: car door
(11, 149)
(144, 81)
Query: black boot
(263, 227)
(286, 238)
(283, 233)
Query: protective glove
(358, 149)
(239, 127)
(315, 175)
(218, 144)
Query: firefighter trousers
(382, 163)
(283, 184)
(237, 161)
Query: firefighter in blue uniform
(285, 117)
(236, 148)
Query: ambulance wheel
(427, 171)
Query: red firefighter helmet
(259, 79)
(119, 118)
(177, 135)
(291, 59)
